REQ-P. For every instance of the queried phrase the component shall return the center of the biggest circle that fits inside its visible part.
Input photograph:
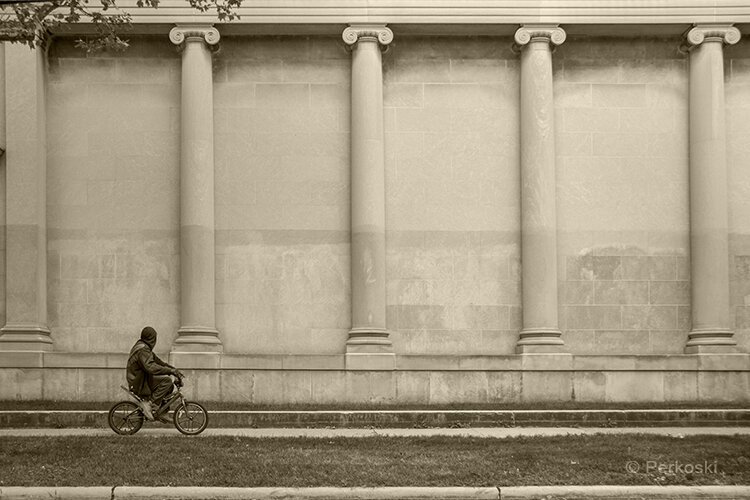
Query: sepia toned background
(452, 166)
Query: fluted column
(197, 331)
(540, 333)
(26, 191)
(709, 219)
(368, 345)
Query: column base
(369, 341)
(540, 341)
(710, 341)
(15, 337)
(197, 339)
(370, 361)
(195, 360)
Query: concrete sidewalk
(153, 429)
(408, 493)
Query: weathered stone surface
(282, 195)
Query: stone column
(368, 346)
(2, 99)
(197, 331)
(709, 225)
(540, 333)
(26, 212)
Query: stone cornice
(183, 32)
(725, 33)
(550, 33)
(356, 32)
(456, 12)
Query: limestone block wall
(282, 194)
(282, 120)
(737, 71)
(452, 195)
(112, 195)
(622, 129)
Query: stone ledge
(336, 362)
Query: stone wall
(282, 195)
(737, 70)
(452, 191)
(452, 172)
(112, 195)
(453, 257)
(622, 125)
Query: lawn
(378, 461)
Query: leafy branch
(32, 21)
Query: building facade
(361, 202)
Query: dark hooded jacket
(144, 364)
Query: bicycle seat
(131, 393)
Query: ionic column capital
(183, 33)
(550, 33)
(372, 32)
(699, 33)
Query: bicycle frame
(176, 395)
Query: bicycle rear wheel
(125, 418)
(191, 418)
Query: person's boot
(146, 408)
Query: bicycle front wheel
(125, 418)
(191, 418)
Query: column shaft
(538, 192)
(709, 224)
(2, 99)
(197, 261)
(26, 213)
(369, 334)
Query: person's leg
(161, 386)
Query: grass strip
(378, 461)
(15, 405)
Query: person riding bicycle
(148, 376)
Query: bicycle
(190, 418)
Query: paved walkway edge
(394, 493)
(409, 419)
(474, 432)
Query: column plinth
(26, 204)
(369, 345)
(197, 332)
(540, 333)
(709, 214)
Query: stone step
(409, 418)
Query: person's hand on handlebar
(177, 373)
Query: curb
(394, 433)
(390, 493)
(411, 419)
(624, 492)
